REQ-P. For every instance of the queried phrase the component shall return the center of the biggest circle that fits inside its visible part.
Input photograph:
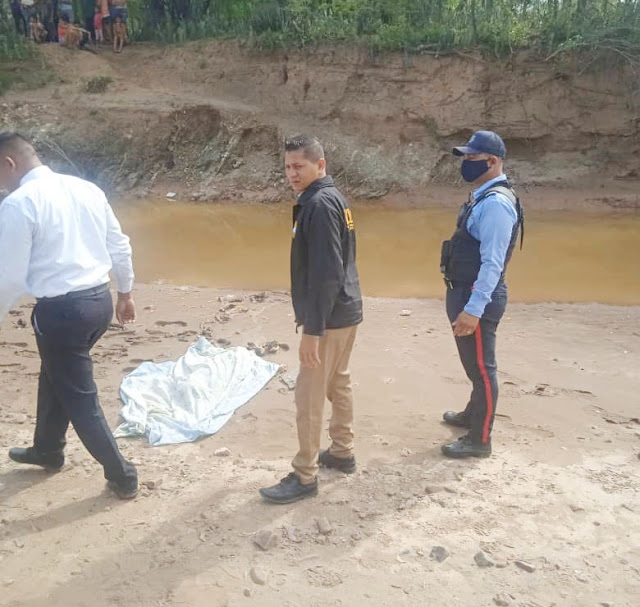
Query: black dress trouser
(66, 329)
(478, 357)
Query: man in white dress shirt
(59, 239)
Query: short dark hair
(8, 138)
(309, 145)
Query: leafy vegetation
(19, 62)
(496, 27)
(99, 84)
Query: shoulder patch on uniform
(348, 217)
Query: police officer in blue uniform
(474, 262)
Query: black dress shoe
(459, 420)
(466, 447)
(125, 490)
(289, 490)
(52, 462)
(346, 465)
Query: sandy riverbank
(561, 491)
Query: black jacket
(324, 279)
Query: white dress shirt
(58, 234)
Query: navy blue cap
(483, 142)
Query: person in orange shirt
(63, 28)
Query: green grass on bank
(495, 27)
(598, 28)
(20, 63)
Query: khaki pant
(331, 380)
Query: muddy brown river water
(568, 256)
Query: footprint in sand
(187, 334)
(157, 332)
(11, 367)
(27, 354)
(19, 344)
(120, 333)
(166, 323)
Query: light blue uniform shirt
(491, 222)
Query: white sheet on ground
(178, 402)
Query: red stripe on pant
(487, 385)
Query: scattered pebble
(292, 534)
(259, 351)
(247, 592)
(439, 553)
(324, 526)
(528, 567)
(502, 600)
(152, 485)
(406, 452)
(265, 539)
(271, 347)
(288, 381)
(259, 576)
(223, 452)
(430, 489)
(405, 313)
(482, 560)
(18, 418)
(171, 195)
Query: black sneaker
(51, 462)
(125, 490)
(289, 490)
(346, 465)
(466, 447)
(459, 420)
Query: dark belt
(451, 284)
(77, 294)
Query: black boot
(459, 420)
(125, 490)
(125, 487)
(289, 490)
(346, 465)
(466, 447)
(52, 461)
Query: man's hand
(310, 351)
(125, 309)
(465, 325)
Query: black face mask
(473, 169)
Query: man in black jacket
(328, 305)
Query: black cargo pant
(66, 329)
(478, 356)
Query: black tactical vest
(460, 261)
